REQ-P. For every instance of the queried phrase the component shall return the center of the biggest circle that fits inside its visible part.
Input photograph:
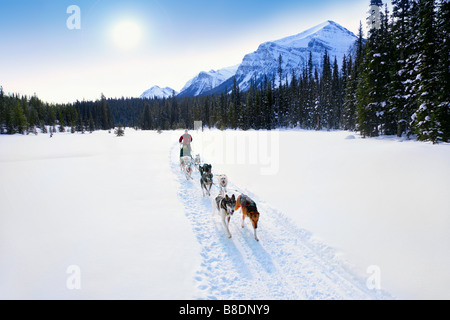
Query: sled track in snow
(287, 264)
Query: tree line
(401, 81)
(22, 114)
(395, 83)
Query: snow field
(287, 264)
(377, 202)
(102, 203)
(121, 210)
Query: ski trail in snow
(286, 264)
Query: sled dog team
(224, 204)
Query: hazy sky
(125, 47)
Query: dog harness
(246, 201)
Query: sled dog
(206, 182)
(186, 167)
(197, 161)
(248, 207)
(223, 183)
(205, 168)
(225, 206)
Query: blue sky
(39, 54)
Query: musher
(185, 141)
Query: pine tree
(316, 114)
(147, 118)
(43, 127)
(373, 114)
(61, 122)
(281, 97)
(235, 106)
(349, 110)
(7, 116)
(294, 101)
(280, 70)
(336, 96)
(258, 109)
(324, 111)
(249, 114)
(400, 99)
(268, 106)
(19, 119)
(205, 113)
(79, 126)
(426, 118)
(309, 93)
(387, 116)
(345, 74)
(443, 69)
(51, 116)
(119, 132)
(91, 125)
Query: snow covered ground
(119, 212)
(107, 205)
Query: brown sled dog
(249, 209)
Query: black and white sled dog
(206, 182)
(205, 168)
(225, 206)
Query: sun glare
(127, 35)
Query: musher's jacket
(186, 139)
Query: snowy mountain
(157, 92)
(206, 81)
(294, 50)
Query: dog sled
(185, 151)
(187, 163)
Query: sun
(127, 35)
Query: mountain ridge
(157, 92)
(295, 51)
(206, 81)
